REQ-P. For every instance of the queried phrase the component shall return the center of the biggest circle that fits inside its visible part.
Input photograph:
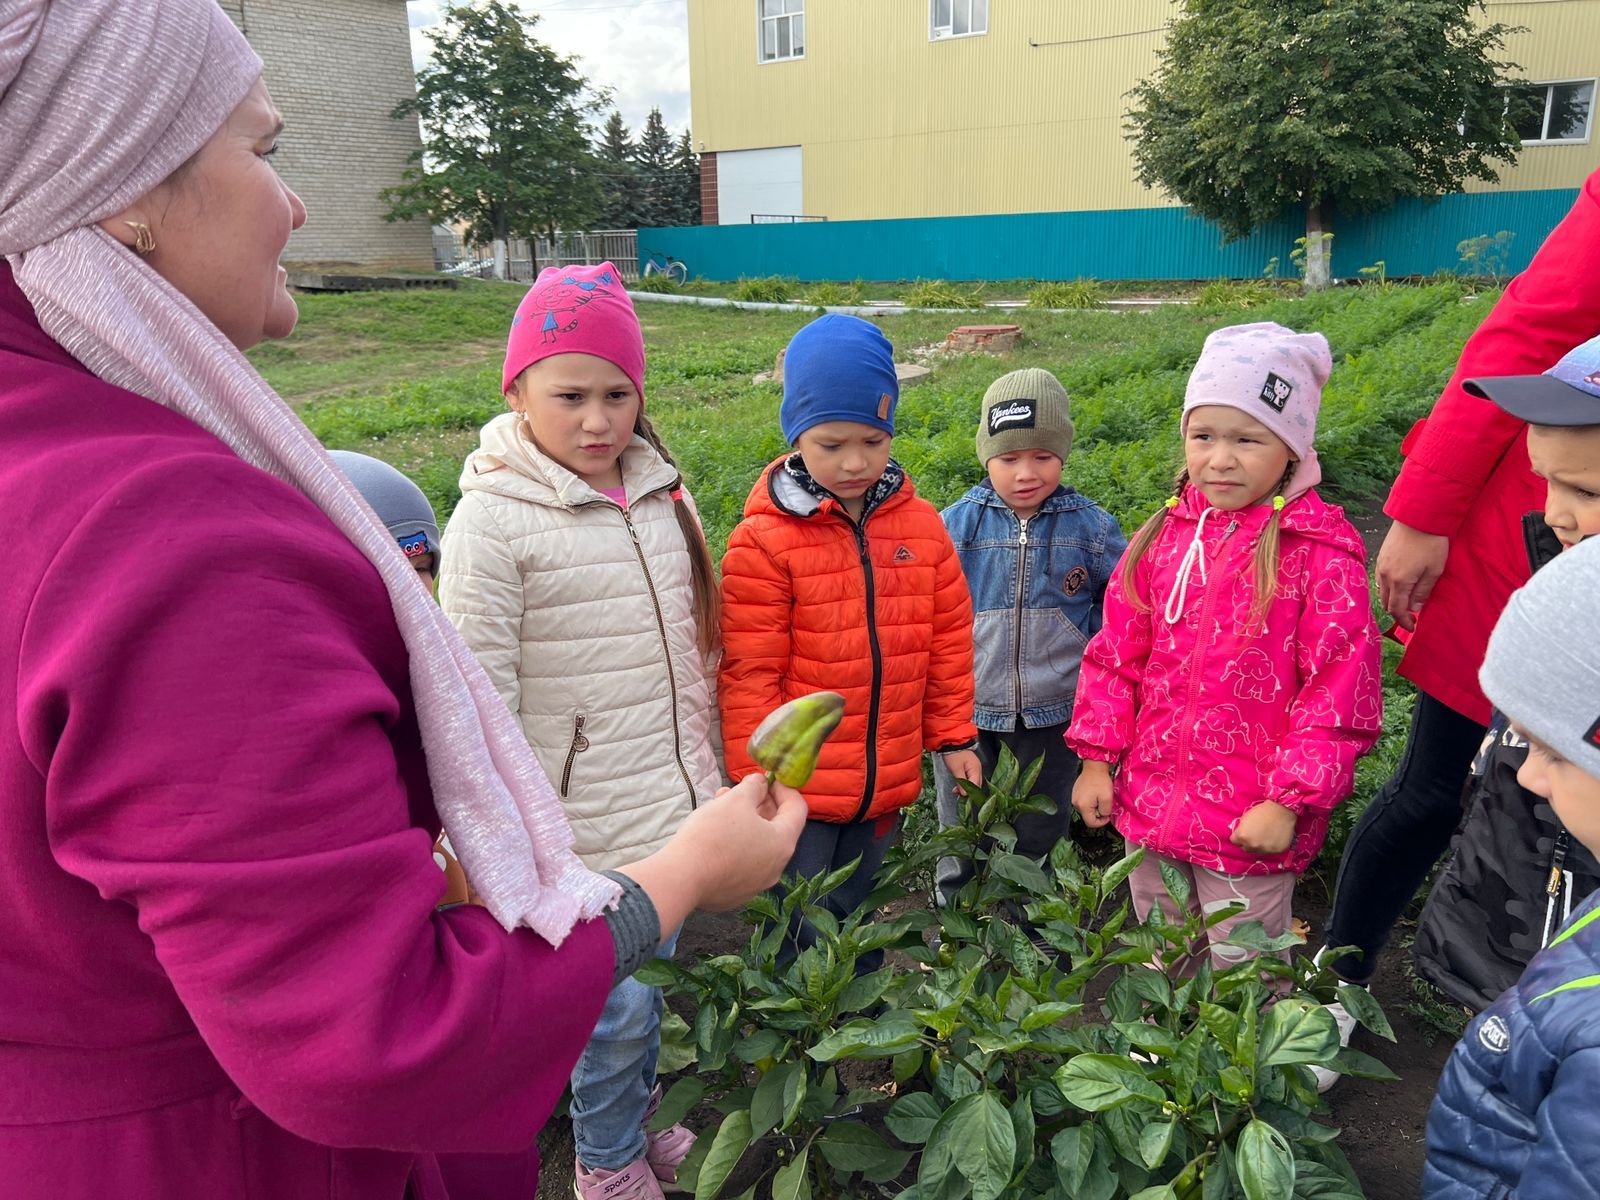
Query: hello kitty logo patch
(1275, 392)
(557, 304)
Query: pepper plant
(1030, 1048)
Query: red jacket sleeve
(1337, 714)
(947, 703)
(1108, 681)
(757, 597)
(213, 690)
(1547, 310)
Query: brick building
(336, 69)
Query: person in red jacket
(841, 578)
(1450, 562)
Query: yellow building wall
(1025, 118)
(1562, 41)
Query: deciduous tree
(1337, 105)
(505, 130)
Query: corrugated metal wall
(1412, 238)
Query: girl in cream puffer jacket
(582, 612)
(576, 569)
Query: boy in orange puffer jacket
(840, 578)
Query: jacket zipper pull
(1222, 541)
(580, 743)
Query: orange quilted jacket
(879, 613)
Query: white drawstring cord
(1193, 556)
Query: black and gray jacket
(1514, 874)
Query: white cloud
(637, 48)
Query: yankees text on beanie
(1025, 410)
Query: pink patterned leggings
(1266, 898)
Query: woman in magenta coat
(1446, 569)
(227, 718)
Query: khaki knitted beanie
(1025, 410)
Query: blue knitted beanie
(838, 368)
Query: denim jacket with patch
(1036, 592)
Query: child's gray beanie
(1543, 665)
(399, 503)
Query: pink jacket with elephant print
(1209, 717)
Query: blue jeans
(823, 847)
(616, 1073)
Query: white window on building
(1552, 113)
(957, 18)
(781, 29)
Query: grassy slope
(411, 376)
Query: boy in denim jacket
(1037, 557)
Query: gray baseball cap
(399, 503)
(1567, 394)
(1543, 665)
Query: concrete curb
(852, 310)
(873, 310)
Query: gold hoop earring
(143, 240)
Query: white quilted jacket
(583, 615)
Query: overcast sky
(637, 48)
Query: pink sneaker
(666, 1148)
(635, 1181)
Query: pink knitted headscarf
(99, 101)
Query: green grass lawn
(410, 376)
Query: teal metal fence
(1414, 237)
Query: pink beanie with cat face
(576, 310)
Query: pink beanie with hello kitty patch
(576, 310)
(1272, 374)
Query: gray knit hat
(1025, 410)
(1543, 665)
(399, 503)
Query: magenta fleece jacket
(222, 974)
(1208, 717)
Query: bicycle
(674, 269)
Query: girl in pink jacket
(1236, 678)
